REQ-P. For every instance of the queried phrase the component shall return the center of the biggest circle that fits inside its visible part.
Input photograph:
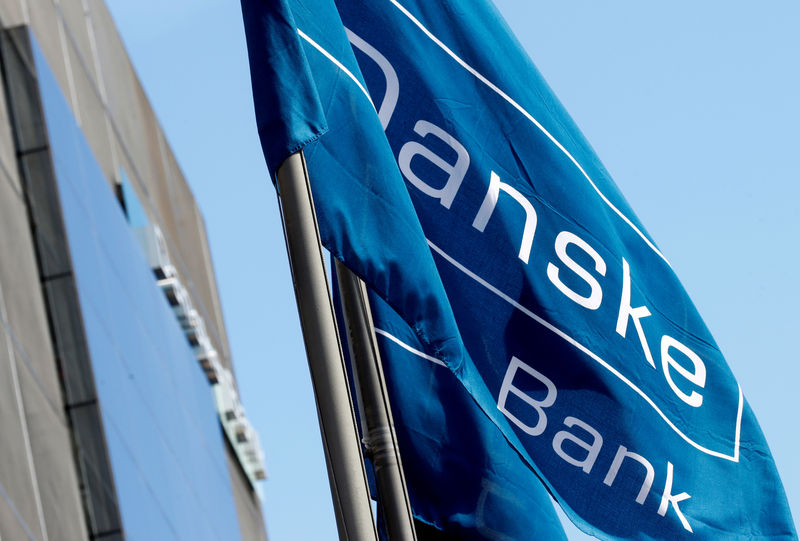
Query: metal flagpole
(345, 463)
(380, 438)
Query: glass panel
(162, 429)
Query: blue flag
(545, 299)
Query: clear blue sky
(692, 106)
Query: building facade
(118, 404)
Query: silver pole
(345, 463)
(381, 441)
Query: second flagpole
(379, 434)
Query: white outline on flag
(487, 285)
(338, 64)
(550, 327)
(530, 117)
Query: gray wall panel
(19, 287)
(92, 113)
(55, 467)
(15, 467)
(212, 287)
(76, 30)
(251, 521)
(10, 525)
(8, 167)
(45, 22)
(127, 103)
(12, 12)
(22, 296)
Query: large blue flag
(546, 299)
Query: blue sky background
(692, 106)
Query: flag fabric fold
(524, 298)
(288, 111)
(360, 197)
